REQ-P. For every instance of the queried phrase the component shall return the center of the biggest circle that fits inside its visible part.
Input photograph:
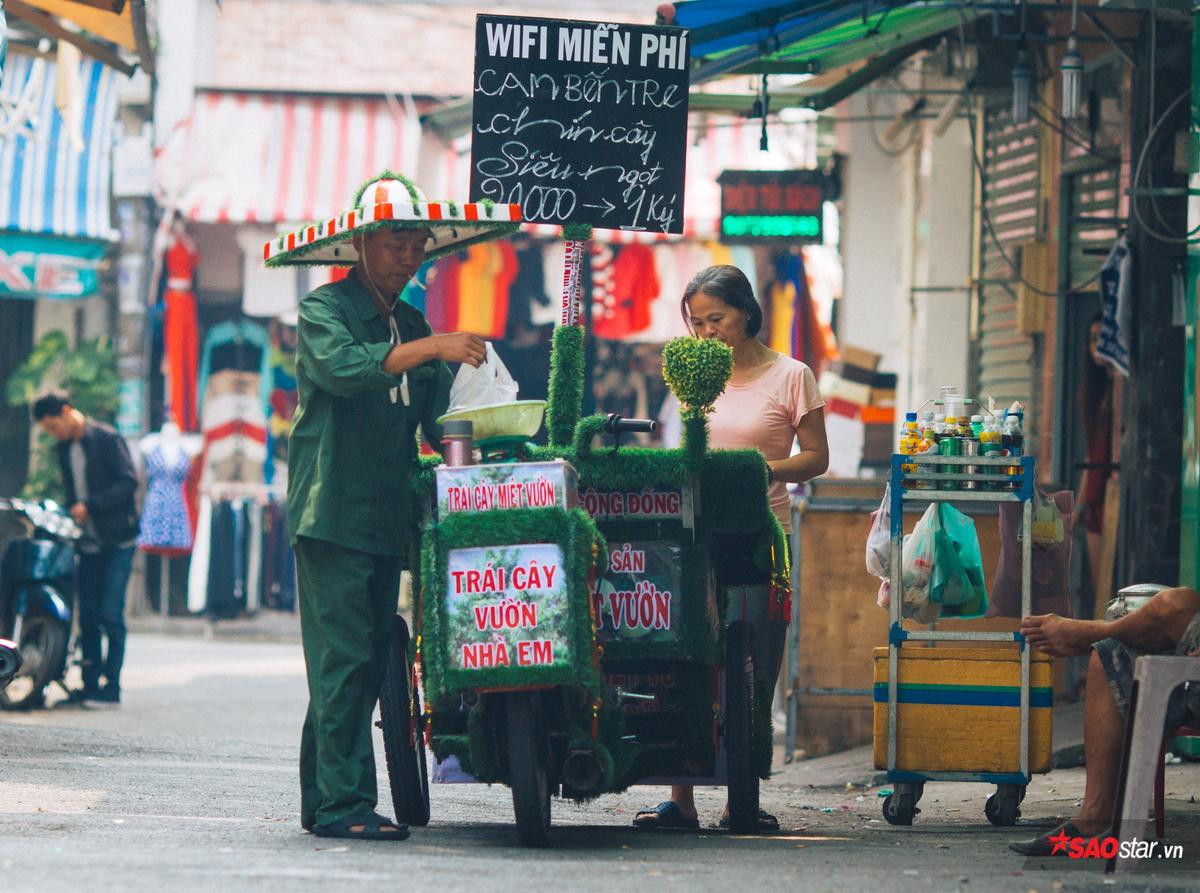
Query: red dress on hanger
(180, 348)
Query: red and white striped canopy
(274, 158)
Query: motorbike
(10, 661)
(37, 579)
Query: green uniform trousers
(347, 602)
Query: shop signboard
(506, 485)
(507, 606)
(581, 122)
(646, 504)
(44, 267)
(772, 206)
(636, 597)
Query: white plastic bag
(917, 568)
(485, 386)
(879, 540)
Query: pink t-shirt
(763, 415)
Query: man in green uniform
(369, 370)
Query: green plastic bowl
(521, 418)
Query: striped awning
(50, 184)
(276, 158)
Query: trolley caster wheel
(1003, 808)
(900, 806)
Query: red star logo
(1060, 841)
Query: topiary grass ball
(697, 370)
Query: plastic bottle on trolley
(1013, 441)
(990, 446)
(910, 436)
(927, 444)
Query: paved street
(191, 786)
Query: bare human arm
(813, 458)
(458, 347)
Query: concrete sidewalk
(262, 626)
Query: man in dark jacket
(100, 481)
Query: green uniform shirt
(351, 448)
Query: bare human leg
(1103, 726)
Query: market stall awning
(91, 25)
(55, 173)
(809, 37)
(283, 158)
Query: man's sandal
(372, 826)
(766, 822)
(666, 817)
(1053, 843)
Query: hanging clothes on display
(441, 293)
(795, 328)
(604, 300)
(484, 280)
(634, 287)
(236, 378)
(180, 327)
(278, 581)
(166, 528)
(282, 402)
(554, 257)
(166, 524)
(414, 292)
(241, 345)
(528, 288)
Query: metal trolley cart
(908, 473)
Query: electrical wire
(1137, 178)
(969, 101)
(1066, 134)
(914, 133)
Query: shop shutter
(1007, 359)
(1094, 225)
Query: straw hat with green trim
(392, 200)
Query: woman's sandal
(665, 816)
(372, 826)
(766, 822)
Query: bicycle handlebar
(615, 424)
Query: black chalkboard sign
(581, 122)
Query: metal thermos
(458, 442)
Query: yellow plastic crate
(959, 710)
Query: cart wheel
(900, 806)
(528, 758)
(1003, 807)
(403, 726)
(739, 730)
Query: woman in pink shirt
(770, 402)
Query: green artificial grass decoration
(566, 385)
(697, 370)
(695, 442)
(585, 433)
(576, 232)
(573, 531)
